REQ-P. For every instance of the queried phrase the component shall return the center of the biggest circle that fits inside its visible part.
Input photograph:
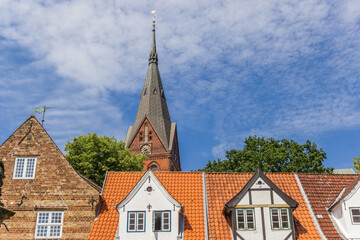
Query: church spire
(152, 100)
(153, 58)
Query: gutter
(309, 207)
(205, 207)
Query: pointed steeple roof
(152, 101)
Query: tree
(357, 164)
(93, 155)
(270, 155)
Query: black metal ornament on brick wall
(4, 213)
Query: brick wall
(56, 186)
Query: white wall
(139, 202)
(342, 217)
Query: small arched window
(141, 136)
(153, 168)
(150, 136)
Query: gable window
(161, 221)
(355, 215)
(245, 219)
(49, 225)
(136, 221)
(280, 218)
(24, 168)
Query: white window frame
(162, 221)
(280, 219)
(246, 226)
(23, 175)
(49, 225)
(136, 229)
(352, 216)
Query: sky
(230, 69)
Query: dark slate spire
(152, 100)
(153, 58)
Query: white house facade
(149, 212)
(345, 212)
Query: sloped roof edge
(232, 203)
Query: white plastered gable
(148, 180)
(148, 196)
(340, 212)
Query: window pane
(19, 167)
(250, 218)
(241, 219)
(30, 168)
(284, 218)
(41, 231)
(132, 217)
(56, 218)
(166, 221)
(355, 212)
(275, 218)
(43, 218)
(157, 221)
(140, 222)
(55, 231)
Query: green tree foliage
(93, 155)
(357, 164)
(270, 155)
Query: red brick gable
(55, 187)
(159, 155)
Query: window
(245, 219)
(153, 168)
(24, 168)
(280, 218)
(161, 221)
(49, 225)
(136, 221)
(355, 215)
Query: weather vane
(153, 14)
(42, 110)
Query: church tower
(153, 133)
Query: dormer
(261, 211)
(150, 212)
(345, 211)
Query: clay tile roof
(322, 190)
(185, 187)
(221, 187)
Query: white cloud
(272, 68)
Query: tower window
(150, 135)
(141, 136)
(146, 133)
(153, 168)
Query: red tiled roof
(322, 190)
(185, 187)
(221, 187)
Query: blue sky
(230, 69)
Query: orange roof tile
(221, 187)
(322, 190)
(185, 187)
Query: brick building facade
(153, 133)
(50, 198)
